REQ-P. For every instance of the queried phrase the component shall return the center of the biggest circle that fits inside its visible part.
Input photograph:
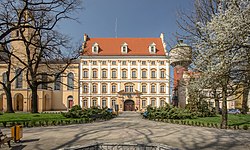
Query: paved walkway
(129, 127)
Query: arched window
(70, 81)
(85, 88)
(57, 84)
(104, 88)
(104, 103)
(94, 88)
(85, 103)
(162, 88)
(4, 77)
(19, 79)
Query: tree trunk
(216, 101)
(217, 106)
(224, 108)
(34, 99)
(9, 100)
(244, 101)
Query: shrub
(245, 127)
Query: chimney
(85, 37)
(162, 37)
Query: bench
(4, 139)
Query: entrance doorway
(18, 102)
(129, 105)
(70, 101)
(1, 102)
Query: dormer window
(95, 48)
(124, 48)
(152, 48)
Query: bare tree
(46, 52)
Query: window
(144, 103)
(153, 89)
(104, 103)
(113, 62)
(104, 88)
(4, 77)
(85, 103)
(85, 74)
(113, 103)
(143, 62)
(129, 88)
(94, 74)
(162, 62)
(84, 63)
(153, 74)
(152, 48)
(70, 81)
(95, 48)
(113, 90)
(113, 74)
(57, 84)
(153, 102)
(144, 88)
(124, 74)
(162, 74)
(162, 89)
(94, 89)
(85, 88)
(152, 62)
(124, 48)
(104, 74)
(103, 62)
(94, 103)
(94, 63)
(162, 103)
(133, 74)
(124, 62)
(133, 62)
(144, 74)
(19, 79)
(44, 79)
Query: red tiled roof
(112, 46)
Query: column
(109, 68)
(80, 84)
(148, 70)
(139, 70)
(109, 106)
(148, 88)
(89, 88)
(157, 102)
(118, 87)
(157, 88)
(99, 69)
(148, 101)
(99, 101)
(99, 88)
(157, 70)
(129, 70)
(119, 70)
(90, 70)
(89, 102)
(108, 88)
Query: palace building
(130, 72)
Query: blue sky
(135, 18)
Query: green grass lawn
(28, 116)
(233, 120)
